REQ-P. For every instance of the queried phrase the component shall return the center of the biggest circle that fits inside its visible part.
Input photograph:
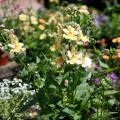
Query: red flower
(4, 58)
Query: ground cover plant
(68, 64)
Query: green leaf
(103, 64)
(32, 67)
(110, 69)
(84, 102)
(37, 59)
(77, 117)
(24, 73)
(110, 92)
(68, 111)
(81, 91)
(111, 101)
(97, 116)
(51, 81)
(72, 113)
(44, 117)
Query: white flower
(86, 62)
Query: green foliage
(56, 52)
(9, 109)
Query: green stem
(97, 114)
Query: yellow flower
(42, 36)
(41, 27)
(42, 21)
(33, 20)
(55, 46)
(54, 1)
(23, 17)
(105, 57)
(70, 33)
(74, 57)
(115, 40)
(26, 27)
(17, 47)
(84, 10)
(83, 39)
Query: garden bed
(61, 63)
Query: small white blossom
(87, 62)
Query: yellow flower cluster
(15, 45)
(28, 18)
(75, 57)
(28, 21)
(73, 34)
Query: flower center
(70, 34)
(17, 46)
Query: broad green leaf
(77, 117)
(82, 90)
(103, 64)
(68, 111)
(110, 92)
(110, 69)
(84, 101)
(111, 101)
